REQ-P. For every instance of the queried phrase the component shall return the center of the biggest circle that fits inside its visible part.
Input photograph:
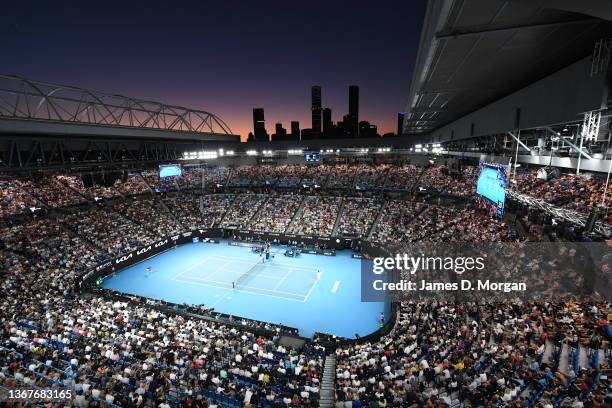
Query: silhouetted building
(389, 134)
(259, 126)
(366, 129)
(328, 125)
(316, 110)
(353, 113)
(295, 130)
(306, 134)
(400, 123)
(251, 137)
(342, 128)
(280, 133)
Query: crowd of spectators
(15, 198)
(434, 220)
(403, 177)
(283, 176)
(191, 177)
(52, 192)
(358, 216)
(394, 225)
(120, 353)
(276, 213)
(132, 185)
(452, 182)
(214, 207)
(493, 354)
(155, 182)
(46, 244)
(371, 177)
(340, 176)
(289, 175)
(404, 222)
(579, 193)
(108, 230)
(212, 176)
(471, 225)
(244, 176)
(149, 212)
(186, 208)
(318, 216)
(75, 182)
(243, 208)
(314, 175)
(123, 354)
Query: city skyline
(238, 57)
(322, 124)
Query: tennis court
(272, 278)
(282, 290)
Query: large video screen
(491, 184)
(170, 170)
(312, 157)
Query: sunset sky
(226, 57)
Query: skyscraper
(400, 123)
(295, 130)
(259, 125)
(353, 113)
(316, 110)
(280, 132)
(328, 125)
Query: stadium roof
(34, 107)
(473, 52)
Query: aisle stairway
(338, 217)
(328, 390)
(297, 215)
(376, 220)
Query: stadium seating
(119, 353)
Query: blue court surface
(284, 290)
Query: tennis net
(245, 277)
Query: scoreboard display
(491, 185)
(312, 157)
(170, 170)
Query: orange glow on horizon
(244, 126)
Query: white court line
(246, 291)
(230, 258)
(304, 268)
(221, 298)
(190, 268)
(246, 286)
(283, 278)
(198, 264)
(208, 275)
(237, 276)
(267, 264)
(335, 287)
(312, 287)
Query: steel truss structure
(569, 216)
(33, 100)
(25, 154)
(590, 126)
